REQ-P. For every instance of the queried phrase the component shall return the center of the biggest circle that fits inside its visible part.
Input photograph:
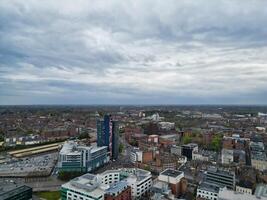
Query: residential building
(75, 157)
(108, 135)
(244, 186)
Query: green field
(49, 195)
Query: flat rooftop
(117, 187)
(209, 187)
(4, 194)
(171, 173)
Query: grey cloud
(150, 51)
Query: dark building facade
(19, 193)
(187, 150)
(108, 135)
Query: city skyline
(133, 52)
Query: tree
(121, 147)
(187, 139)
(216, 143)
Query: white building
(136, 155)
(227, 156)
(93, 187)
(86, 187)
(208, 191)
(75, 157)
(139, 180)
(226, 194)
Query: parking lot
(31, 166)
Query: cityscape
(133, 152)
(133, 100)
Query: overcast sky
(133, 52)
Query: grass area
(49, 195)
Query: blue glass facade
(107, 135)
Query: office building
(220, 177)
(75, 157)
(111, 184)
(175, 180)
(86, 187)
(187, 150)
(8, 192)
(118, 191)
(108, 135)
(207, 190)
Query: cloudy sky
(133, 52)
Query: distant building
(204, 155)
(187, 150)
(227, 156)
(258, 156)
(207, 190)
(136, 155)
(108, 135)
(75, 157)
(177, 150)
(220, 177)
(15, 193)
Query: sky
(133, 52)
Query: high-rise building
(76, 157)
(108, 135)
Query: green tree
(216, 143)
(187, 139)
(121, 147)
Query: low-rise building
(136, 155)
(244, 187)
(22, 192)
(220, 177)
(118, 191)
(187, 150)
(175, 180)
(112, 184)
(227, 156)
(208, 191)
(261, 191)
